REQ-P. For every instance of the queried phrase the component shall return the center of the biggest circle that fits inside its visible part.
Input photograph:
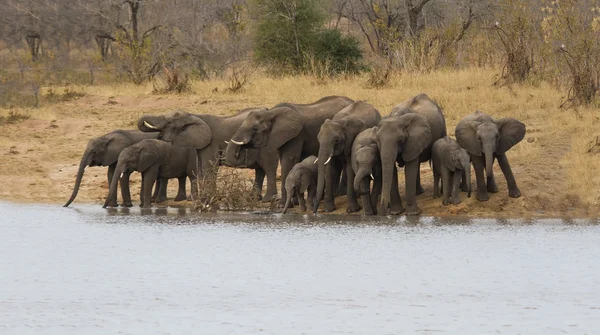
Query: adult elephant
(406, 138)
(336, 137)
(104, 151)
(244, 156)
(286, 133)
(204, 132)
(486, 139)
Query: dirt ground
(555, 166)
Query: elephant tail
(85, 161)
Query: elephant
(486, 139)
(336, 137)
(450, 162)
(286, 133)
(366, 164)
(302, 178)
(406, 138)
(204, 132)
(246, 157)
(154, 159)
(104, 151)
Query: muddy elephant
(336, 137)
(154, 159)
(302, 178)
(286, 133)
(486, 139)
(406, 138)
(104, 151)
(204, 132)
(451, 163)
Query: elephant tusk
(226, 142)
(328, 159)
(121, 176)
(316, 160)
(149, 125)
(236, 142)
(371, 176)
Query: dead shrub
(13, 117)
(380, 73)
(240, 76)
(171, 80)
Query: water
(85, 270)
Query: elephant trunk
(242, 136)
(467, 169)
(361, 187)
(488, 151)
(322, 159)
(86, 160)
(232, 155)
(388, 161)
(112, 192)
(290, 193)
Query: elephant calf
(155, 159)
(450, 162)
(366, 165)
(302, 178)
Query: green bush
(342, 53)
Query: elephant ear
(287, 124)
(146, 158)
(511, 131)
(111, 148)
(466, 136)
(193, 133)
(448, 157)
(352, 127)
(419, 136)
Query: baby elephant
(155, 159)
(302, 177)
(450, 162)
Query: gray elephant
(486, 139)
(248, 157)
(286, 133)
(204, 132)
(366, 164)
(154, 159)
(302, 178)
(406, 138)
(450, 162)
(104, 151)
(336, 137)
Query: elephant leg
(148, 179)
(259, 178)
(300, 197)
(420, 189)
(270, 161)
(411, 172)
(513, 190)
(396, 207)
(478, 166)
(463, 183)
(310, 193)
(446, 181)
(181, 192)
(342, 189)
(376, 192)
(289, 156)
(366, 198)
(209, 168)
(352, 201)
(491, 181)
(125, 193)
(455, 187)
(436, 184)
(331, 181)
(156, 189)
(111, 171)
(160, 190)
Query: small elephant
(450, 162)
(336, 137)
(154, 159)
(104, 151)
(366, 165)
(302, 178)
(486, 139)
(286, 133)
(406, 138)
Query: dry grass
(551, 164)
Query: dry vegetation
(555, 165)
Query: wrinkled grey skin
(203, 132)
(248, 157)
(302, 178)
(449, 161)
(104, 151)
(406, 138)
(486, 139)
(286, 133)
(154, 159)
(336, 137)
(366, 164)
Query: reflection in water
(86, 270)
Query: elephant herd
(334, 146)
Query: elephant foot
(436, 195)
(328, 207)
(353, 208)
(113, 204)
(413, 210)
(492, 187)
(514, 193)
(446, 202)
(145, 206)
(420, 189)
(482, 196)
(160, 199)
(281, 204)
(268, 198)
(295, 201)
(464, 188)
(370, 211)
(127, 204)
(258, 197)
(180, 197)
(456, 201)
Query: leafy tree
(342, 53)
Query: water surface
(86, 270)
